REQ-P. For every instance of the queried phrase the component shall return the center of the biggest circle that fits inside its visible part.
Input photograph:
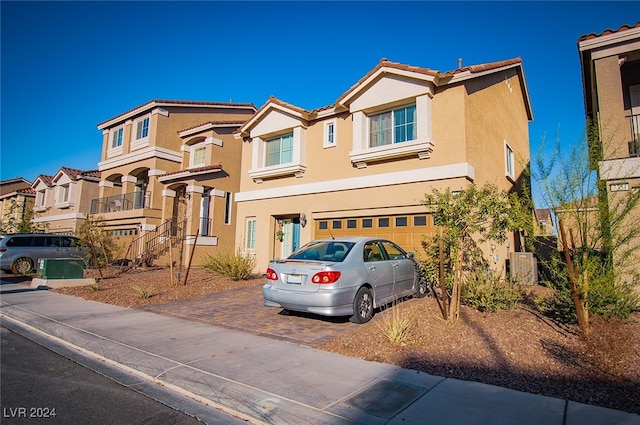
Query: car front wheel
(22, 266)
(362, 306)
(423, 287)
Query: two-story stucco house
(63, 201)
(171, 166)
(611, 78)
(16, 198)
(363, 165)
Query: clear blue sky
(67, 66)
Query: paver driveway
(243, 309)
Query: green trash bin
(60, 268)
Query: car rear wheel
(362, 306)
(423, 287)
(22, 266)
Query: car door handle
(372, 268)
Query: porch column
(168, 199)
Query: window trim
(509, 162)
(327, 135)
(192, 155)
(62, 201)
(250, 236)
(393, 125)
(260, 171)
(112, 137)
(139, 142)
(363, 154)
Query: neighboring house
(170, 168)
(63, 201)
(363, 165)
(579, 220)
(611, 77)
(544, 222)
(16, 198)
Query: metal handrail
(122, 202)
(148, 247)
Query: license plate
(295, 279)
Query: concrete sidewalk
(260, 380)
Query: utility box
(60, 268)
(523, 268)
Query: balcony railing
(634, 143)
(122, 202)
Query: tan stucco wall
(470, 123)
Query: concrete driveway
(242, 309)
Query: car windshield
(323, 251)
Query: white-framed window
(250, 242)
(198, 155)
(116, 137)
(40, 198)
(395, 126)
(329, 139)
(279, 150)
(510, 165)
(64, 193)
(142, 128)
(228, 201)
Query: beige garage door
(407, 230)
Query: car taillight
(3, 249)
(271, 274)
(325, 277)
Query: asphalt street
(41, 387)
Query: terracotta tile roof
(387, 64)
(189, 172)
(608, 31)
(485, 66)
(48, 180)
(26, 191)
(74, 173)
(214, 123)
(161, 102)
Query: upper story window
(394, 134)
(198, 156)
(279, 150)
(391, 127)
(510, 168)
(40, 198)
(142, 128)
(63, 194)
(116, 137)
(278, 156)
(329, 139)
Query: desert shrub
(395, 324)
(606, 297)
(234, 265)
(486, 290)
(142, 292)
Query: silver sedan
(349, 276)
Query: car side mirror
(411, 255)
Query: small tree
(467, 218)
(598, 234)
(19, 219)
(103, 248)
